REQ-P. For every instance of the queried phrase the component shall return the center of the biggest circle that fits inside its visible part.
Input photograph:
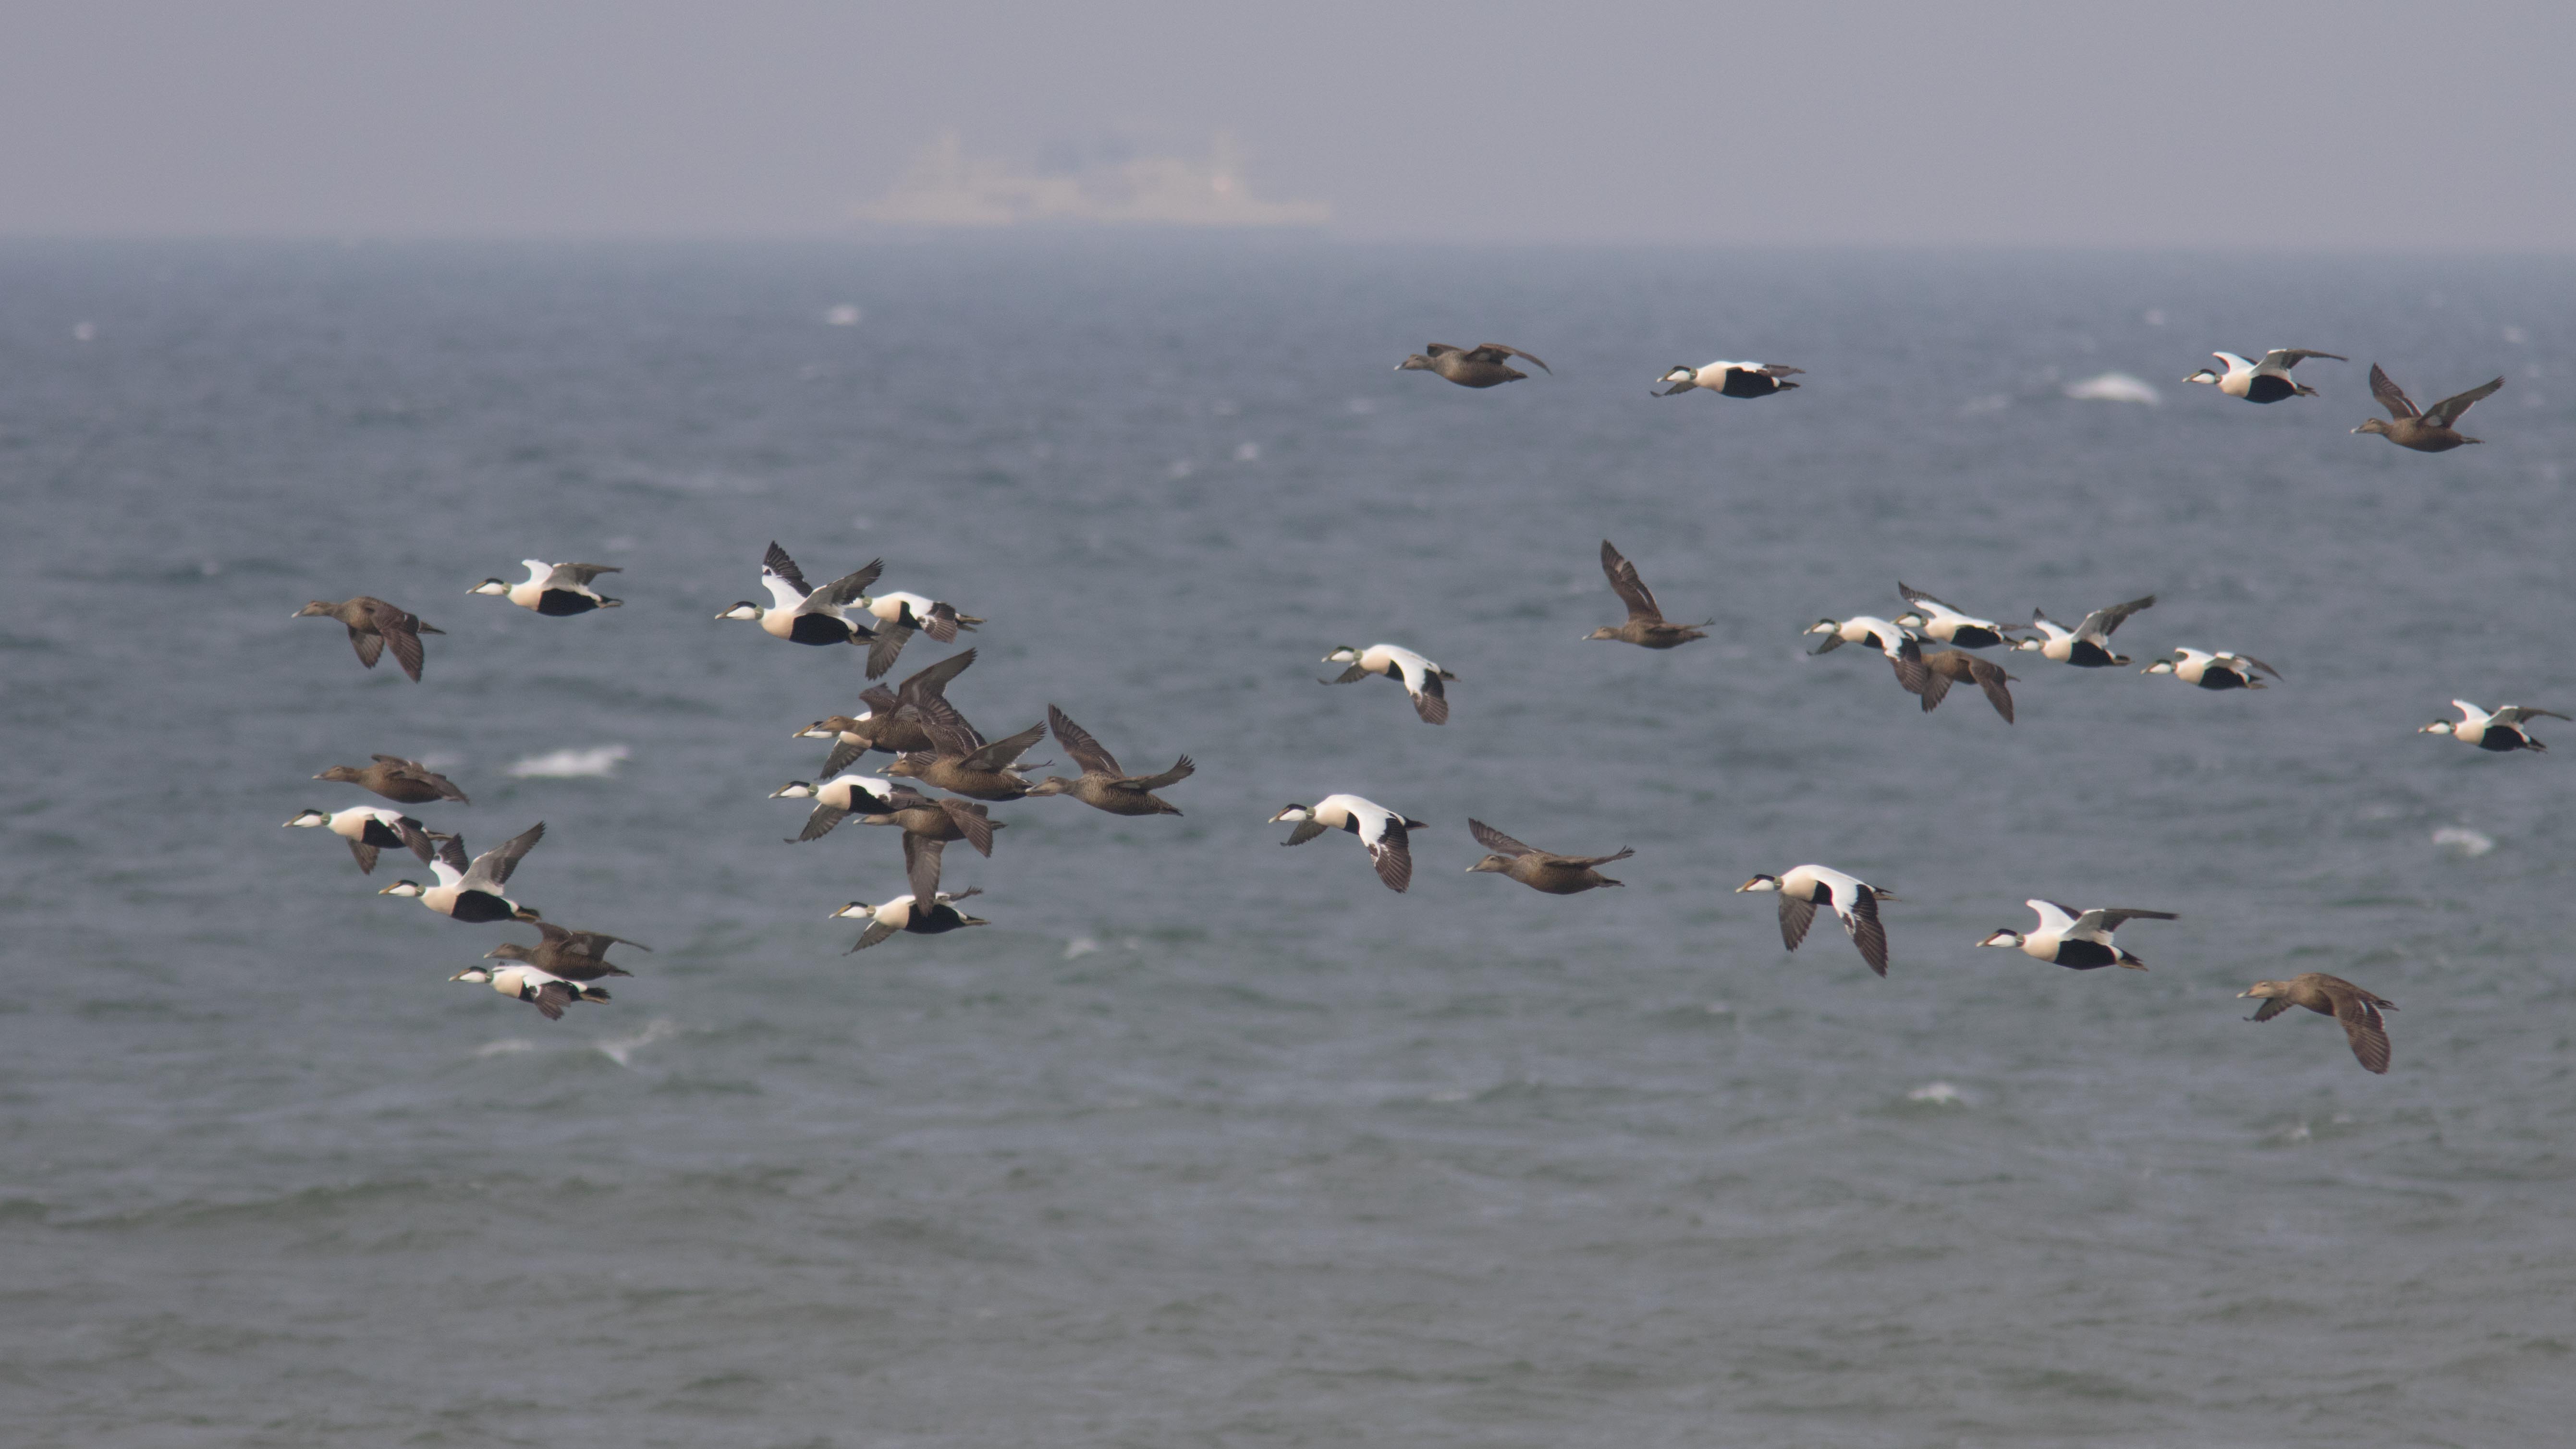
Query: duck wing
(1182, 769)
(885, 644)
(551, 999)
(1392, 852)
(2362, 1026)
(1860, 919)
(2272, 1006)
(366, 855)
(921, 865)
(1496, 352)
(1585, 862)
(2447, 412)
(2104, 621)
(370, 646)
(492, 868)
(1430, 700)
(2393, 397)
(777, 562)
(875, 935)
(1795, 917)
(1496, 841)
(2111, 918)
(948, 729)
(1907, 661)
(2285, 358)
(1306, 830)
(1079, 744)
(578, 575)
(1001, 754)
(2517, 713)
(1991, 678)
(1630, 588)
(972, 822)
(839, 592)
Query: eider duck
(406, 782)
(1419, 676)
(2411, 427)
(1852, 900)
(1556, 875)
(472, 893)
(1104, 786)
(554, 589)
(2501, 731)
(2213, 671)
(1942, 624)
(2333, 996)
(572, 955)
(835, 798)
(2088, 644)
(369, 829)
(2267, 381)
(801, 614)
(544, 990)
(1878, 634)
(1646, 626)
(892, 720)
(940, 621)
(1946, 667)
(2076, 940)
(928, 825)
(963, 763)
(1479, 366)
(902, 914)
(373, 624)
(1380, 829)
(1730, 379)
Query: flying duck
(2077, 940)
(928, 825)
(1646, 625)
(1103, 785)
(963, 763)
(940, 621)
(2411, 427)
(1954, 666)
(406, 782)
(2333, 996)
(2267, 381)
(368, 830)
(2500, 731)
(572, 955)
(1942, 624)
(1557, 875)
(373, 624)
(1380, 829)
(1852, 900)
(1420, 677)
(892, 720)
(901, 914)
(554, 589)
(2088, 644)
(1730, 379)
(1878, 634)
(472, 893)
(2213, 671)
(834, 798)
(1479, 366)
(544, 990)
(801, 614)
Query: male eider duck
(1419, 676)
(2076, 940)
(2411, 427)
(902, 914)
(373, 624)
(1380, 829)
(544, 990)
(1646, 625)
(472, 893)
(801, 614)
(835, 798)
(1947, 667)
(1730, 379)
(369, 829)
(2088, 644)
(2333, 996)
(1878, 634)
(554, 589)
(1479, 366)
(2221, 670)
(903, 614)
(406, 782)
(1557, 875)
(928, 825)
(1852, 900)
(1942, 624)
(1104, 786)
(2267, 381)
(962, 762)
(2501, 731)
(572, 955)
(892, 720)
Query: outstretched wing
(1182, 769)
(2272, 1006)
(1907, 661)
(972, 822)
(929, 682)
(1495, 840)
(495, 865)
(1919, 598)
(2517, 713)
(1432, 701)
(1496, 352)
(2361, 1026)
(552, 998)
(1630, 588)
(2104, 621)
(1860, 919)
(1306, 830)
(2285, 358)
(1392, 853)
(1586, 862)
(1001, 754)
(777, 562)
(820, 823)
(874, 935)
(1078, 743)
(2111, 918)
(887, 643)
(2448, 410)
(839, 592)
(579, 575)
(2391, 396)
(948, 729)
(921, 865)
(1991, 678)
(1795, 917)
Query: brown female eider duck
(1646, 626)
(1556, 875)
(928, 826)
(572, 955)
(963, 763)
(2411, 427)
(373, 624)
(406, 782)
(892, 720)
(2333, 996)
(1104, 786)
(1479, 366)
(1947, 667)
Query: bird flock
(1930, 646)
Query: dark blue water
(1202, 1141)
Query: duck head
(2437, 727)
(855, 911)
(1347, 654)
(1759, 883)
(318, 609)
(1497, 864)
(745, 611)
(2161, 666)
(309, 817)
(410, 889)
(490, 586)
(2372, 425)
(476, 974)
(2204, 375)
(1416, 363)
(1051, 785)
(2008, 940)
(794, 790)
(1294, 812)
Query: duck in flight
(802, 614)
(892, 720)
(2088, 644)
(2267, 381)
(928, 826)
(836, 798)
(904, 914)
(369, 829)
(1853, 901)
(544, 990)
(1479, 366)
(2501, 731)
(1103, 785)
(405, 782)
(1420, 677)
(2076, 940)
(554, 589)
(1947, 667)
(1942, 624)
(1556, 875)
(2221, 670)
(962, 762)
(1878, 634)
(1731, 379)
(1646, 626)
(2430, 430)
(2358, 1011)
(1380, 829)
(472, 892)
(373, 626)
(572, 955)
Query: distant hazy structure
(946, 187)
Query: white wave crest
(574, 764)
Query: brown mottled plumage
(2333, 996)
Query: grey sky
(2280, 122)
